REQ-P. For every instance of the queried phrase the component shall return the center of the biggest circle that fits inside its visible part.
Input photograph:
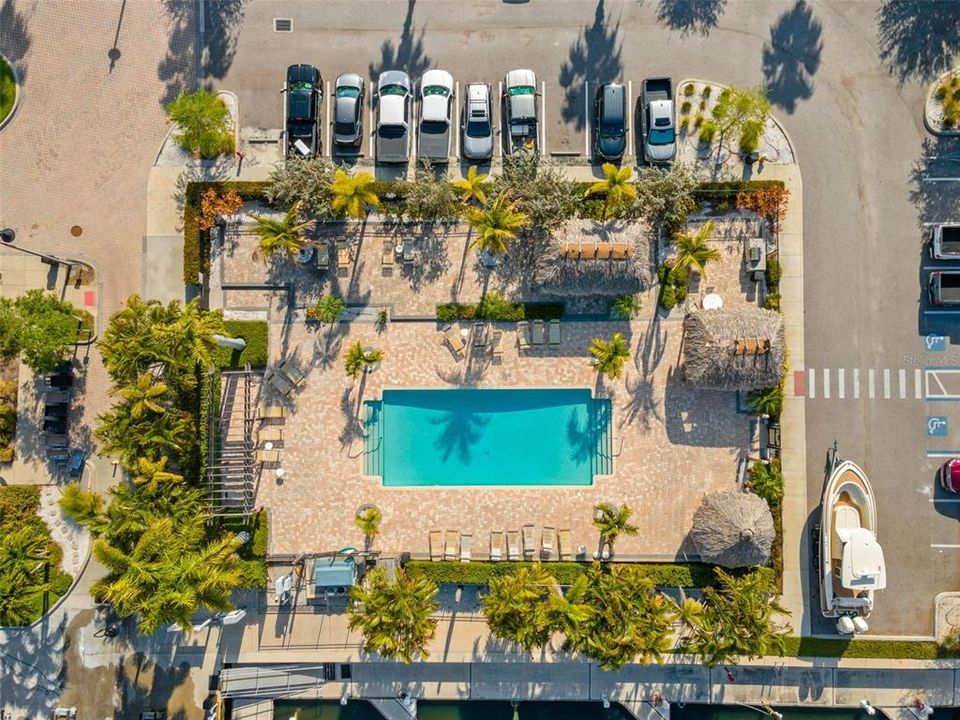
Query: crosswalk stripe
(886, 383)
(903, 384)
(826, 383)
(812, 383)
(917, 384)
(856, 383)
(841, 383)
(872, 383)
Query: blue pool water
(487, 437)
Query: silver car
(348, 110)
(477, 125)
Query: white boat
(851, 559)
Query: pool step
(373, 439)
(601, 421)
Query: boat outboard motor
(845, 625)
(859, 625)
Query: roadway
(855, 118)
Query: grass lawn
(8, 89)
(255, 353)
(863, 648)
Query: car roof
(478, 92)
(302, 73)
(346, 109)
(393, 109)
(521, 77)
(394, 77)
(613, 108)
(349, 80)
(435, 108)
(437, 77)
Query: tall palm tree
(18, 601)
(497, 224)
(767, 401)
(152, 474)
(352, 195)
(609, 357)
(146, 395)
(368, 520)
(195, 330)
(22, 555)
(358, 360)
(613, 521)
(566, 612)
(283, 236)
(473, 188)
(394, 617)
(693, 251)
(516, 607)
(615, 187)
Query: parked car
(950, 475)
(477, 125)
(610, 121)
(436, 108)
(944, 287)
(348, 110)
(520, 106)
(303, 90)
(945, 241)
(393, 116)
(657, 121)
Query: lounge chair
(450, 545)
(280, 383)
(496, 345)
(436, 547)
(529, 544)
(55, 441)
(479, 334)
(323, 255)
(554, 332)
(267, 456)
(496, 545)
(452, 339)
(603, 251)
(343, 258)
(588, 251)
(523, 336)
(271, 412)
(536, 333)
(513, 545)
(565, 545)
(273, 433)
(289, 369)
(547, 542)
(386, 259)
(619, 251)
(466, 545)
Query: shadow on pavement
(407, 55)
(792, 57)
(595, 56)
(222, 21)
(177, 69)
(691, 16)
(14, 36)
(918, 38)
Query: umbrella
(733, 529)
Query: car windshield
(342, 128)
(348, 92)
(436, 90)
(523, 90)
(478, 129)
(661, 137)
(300, 86)
(431, 127)
(393, 90)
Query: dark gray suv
(610, 121)
(348, 110)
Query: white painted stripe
(941, 179)
(812, 384)
(903, 384)
(586, 115)
(941, 312)
(500, 119)
(917, 384)
(944, 546)
(871, 383)
(944, 500)
(826, 383)
(856, 383)
(327, 150)
(543, 117)
(456, 109)
(886, 383)
(841, 382)
(629, 118)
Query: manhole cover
(283, 25)
(76, 231)
(953, 615)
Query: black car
(609, 121)
(348, 110)
(304, 90)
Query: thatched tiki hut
(733, 529)
(733, 349)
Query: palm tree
(82, 506)
(18, 601)
(496, 225)
(195, 330)
(615, 187)
(767, 401)
(352, 195)
(609, 357)
(395, 618)
(566, 612)
(358, 360)
(152, 475)
(22, 555)
(612, 522)
(473, 187)
(693, 251)
(145, 395)
(516, 607)
(368, 520)
(284, 236)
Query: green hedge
(255, 353)
(196, 251)
(253, 568)
(514, 312)
(730, 188)
(480, 573)
(844, 648)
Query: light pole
(8, 235)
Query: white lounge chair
(547, 542)
(496, 545)
(466, 546)
(529, 544)
(450, 546)
(436, 546)
(513, 545)
(554, 332)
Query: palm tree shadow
(792, 57)
(14, 37)
(223, 20)
(918, 39)
(691, 16)
(595, 56)
(642, 403)
(462, 430)
(408, 54)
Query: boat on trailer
(851, 560)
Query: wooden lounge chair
(280, 384)
(565, 545)
(267, 456)
(450, 545)
(273, 433)
(513, 545)
(571, 251)
(496, 345)
(479, 334)
(554, 332)
(289, 369)
(436, 547)
(271, 412)
(619, 251)
(548, 540)
(386, 258)
(603, 251)
(55, 441)
(529, 543)
(323, 255)
(496, 545)
(536, 333)
(523, 334)
(343, 258)
(466, 546)
(588, 251)
(452, 339)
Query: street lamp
(8, 235)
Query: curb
(18, 86)
(926, 116)
(166, 138)
(936, 611)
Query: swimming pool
(488, 437)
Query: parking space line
(826, 383)
(455, 129)
(856, 383)
(943, 453)
(812, 383)
(841, 383)
(886, 383)
(944, 500)
(415, 108)
(328, 151)
(373, 123)
(903, 384)
(586, 115)
(944, 546)
(500, 117)
(629, 117)
(917, 384)
(941, 179)
(543, 117)
(871, 383)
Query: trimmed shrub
(708, 130)
(688, 90)
(685, 107)
(766, 480)
(772, 302)
(499, 309)
(255, 332)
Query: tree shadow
(408, 53)
(462, 429)
(178, 67)
(918, 38)
(691, 16)
(934, 201)
(792, 57)
(595, 56)
(14, 36)
(222, 20)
